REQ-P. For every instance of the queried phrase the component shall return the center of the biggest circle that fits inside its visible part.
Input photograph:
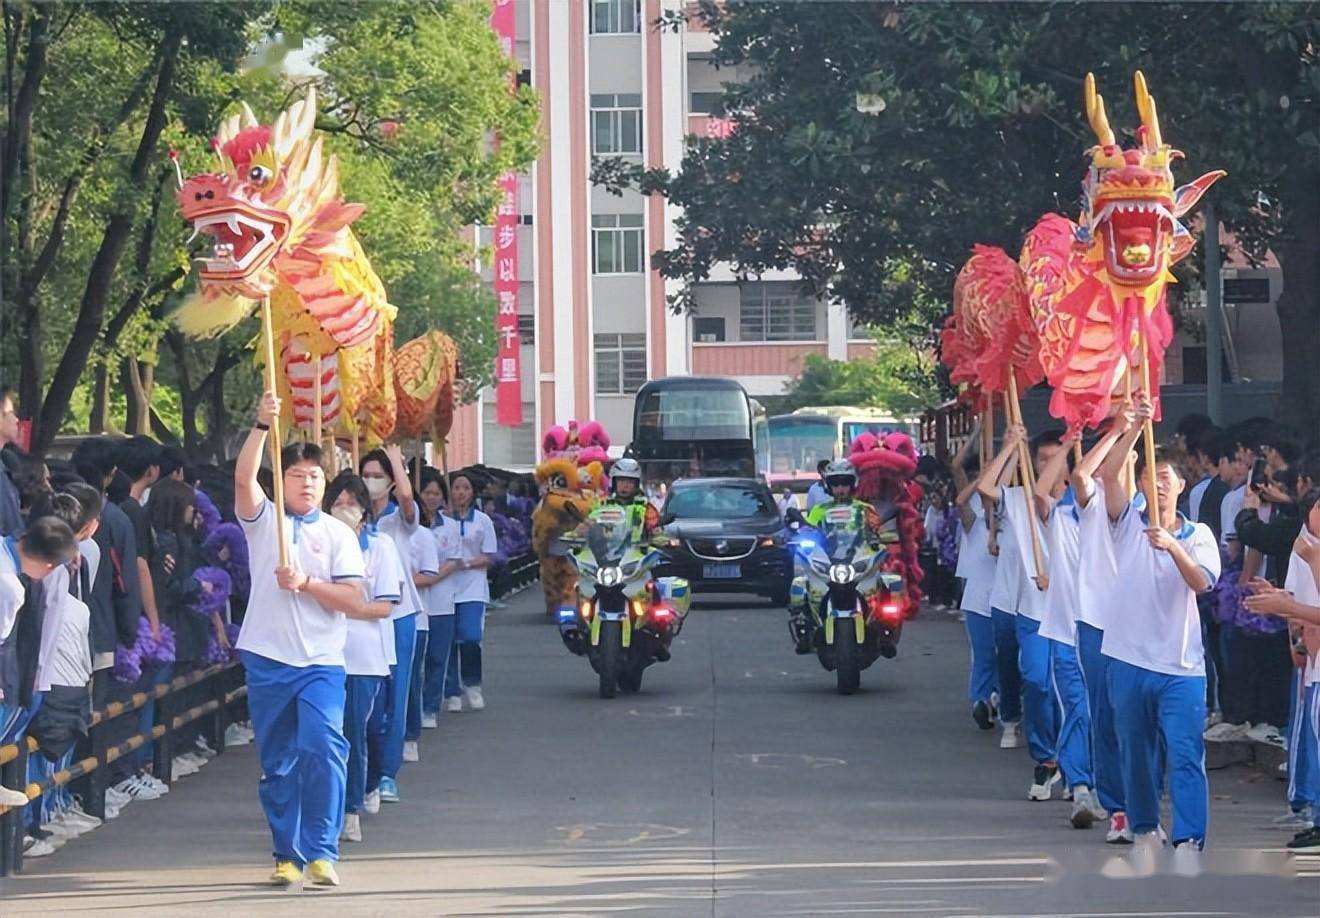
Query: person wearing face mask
(394, 512)
(438, 596)
(472, 554)
(369, 648)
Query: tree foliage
(982, 130)
(93, 251)
(898, 377)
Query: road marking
(785, 759)
(597, 833)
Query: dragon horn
(1149, 117)
(1095, 113)
(245, 117)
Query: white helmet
(625, 468)
(839, 472)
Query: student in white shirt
(369, 647)
(438, 596)
(476, 546)
(292, 647)
(1061, 529)
(1006, 590)
(1040, 702)
(1299, 601)
(1098, 588)
(1157, 677)
(425, 559)
(395, 514)
(976, 565)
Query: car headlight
(841, 573)
(609, 576)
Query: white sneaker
(154, 783)
(195, 759)
(352, 828)
(1086, 810)
(1011, 738)
(429, 722)
(203, 748)
(410, 751)
(183, 768)
(12, 797)
(117, 797)
(76, 813)
(371, 803)
(1267, 734)
(453, 704)
(474, 699)
(111, 810)
(33, 847)
(235, 735)
(1225, 732)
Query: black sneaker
(1306, 842)
(983, 716)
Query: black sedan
(726, 536)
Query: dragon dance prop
(425, 370)
(1096, 288)
(282, 240)
(572, 479)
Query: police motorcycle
(625, 619)
(844, 606)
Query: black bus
(693, 427)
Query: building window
(709, 329)
(616, 123)
(614, 17)
(776, 312)
(526, 329)
(705, 103)
(620, 364)
(616, 244)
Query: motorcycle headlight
(841, 573)
(609, 576)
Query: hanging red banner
(508, 371)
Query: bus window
(798, 443)
(694, 414)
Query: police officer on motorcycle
(841, 483)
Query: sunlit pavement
(736, 783)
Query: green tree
(972, 127)
(899, 377)
(92, 249)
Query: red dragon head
(1132, 207)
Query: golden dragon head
(1132, 205)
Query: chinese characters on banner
(508, 373)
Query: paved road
(736, 784)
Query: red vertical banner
(508, 372)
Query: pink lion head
(892, 456)
(595, 443)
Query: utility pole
(1214, 320)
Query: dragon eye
(259, 174)
(558, 482)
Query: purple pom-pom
(128, 665)
(207, 513)
(213, 601)
(235, 560)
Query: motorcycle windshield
(842, 529)
(609, 536)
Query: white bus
(800, 440)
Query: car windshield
(843, 532)
(720, 502)
(609, 535)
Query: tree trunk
(100, 410)
(91, 311)
(215, 414)
(136, 405)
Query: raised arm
(992, 477)
(1055, 471)
(248, 496)
(403, 492)
(1089, 467)
(961, 485)
(1111, 470)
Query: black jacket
(1274, 539)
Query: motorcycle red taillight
(887, 608)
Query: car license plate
(722, 571)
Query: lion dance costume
(886, 467)
(572, 479)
